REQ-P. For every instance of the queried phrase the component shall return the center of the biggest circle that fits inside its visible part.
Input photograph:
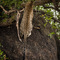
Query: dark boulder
(39, 45)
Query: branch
(56, 20)
(42, 12)
(7, 12)
(21, 10)
(17, 23)
(8, 21)
(51, 7)
(41, 2)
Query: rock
(39, 45)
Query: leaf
(45, 24)
(4, 20)
(51, 34)
(1, 52)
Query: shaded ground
(39, 45)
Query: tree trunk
(39, 45)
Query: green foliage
(2, 55)
(11, 3)
(50, 14)
(8, 5)
(28, 0)
(51, 34)
(4, 20)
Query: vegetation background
(8, 11)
